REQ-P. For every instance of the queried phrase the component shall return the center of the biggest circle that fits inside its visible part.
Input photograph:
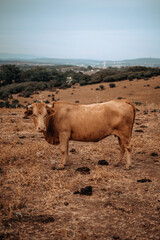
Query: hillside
(144, 91)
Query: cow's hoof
(61, 167)
(127, 167)
(116, 164)
(53, 167)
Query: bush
(12, 105)
(26, 94)
(102, 87)
(82, 83)
(112, 85)
(20, 106)
(1, 104)
(138, 103)
(15, 101)
(6, 104)
(4, 95)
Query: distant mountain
(58, 61)
(142, 62)
(6, 58)
(12, 56)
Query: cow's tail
(134, 112)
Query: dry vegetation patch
(38, 202)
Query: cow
(61, 122)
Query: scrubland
(39, 202)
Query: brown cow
(61, 122)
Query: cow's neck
(51, 135)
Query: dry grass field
(39, 202)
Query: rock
(19, 143)
(144, 180)
(53, 167)
(12, 120)
(86, 191)
(155, 160)
(157, 87)
(73, 150)
(25, 117)
(143, 152)
(154, 154)
(143, 126)
(66, 203)
(1, 171)
(102, 162)
(116, 238)
(139, 130)
(83, 170)
(21, 137)
(76, 192)
(145, 112)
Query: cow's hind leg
(122, 151)
(125, 146)
(128, 149)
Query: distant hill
(6, 58)
(10, 56)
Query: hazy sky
(89, 29)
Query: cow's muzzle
(41, 129)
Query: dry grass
(38, 202)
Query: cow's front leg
(64, 139)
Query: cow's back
(92, 122)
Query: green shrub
(7, 104)
(4, 95)
(20, 106)
(12, 105)
(26, 94)
(82, 83)
(1, 104)
(112, 85)
(138, 103)
(15, 101)
(101, 87)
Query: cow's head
(40, 113)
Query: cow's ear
(28, 112)
(50, 111)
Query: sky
(81, 29)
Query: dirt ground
(39, 202)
